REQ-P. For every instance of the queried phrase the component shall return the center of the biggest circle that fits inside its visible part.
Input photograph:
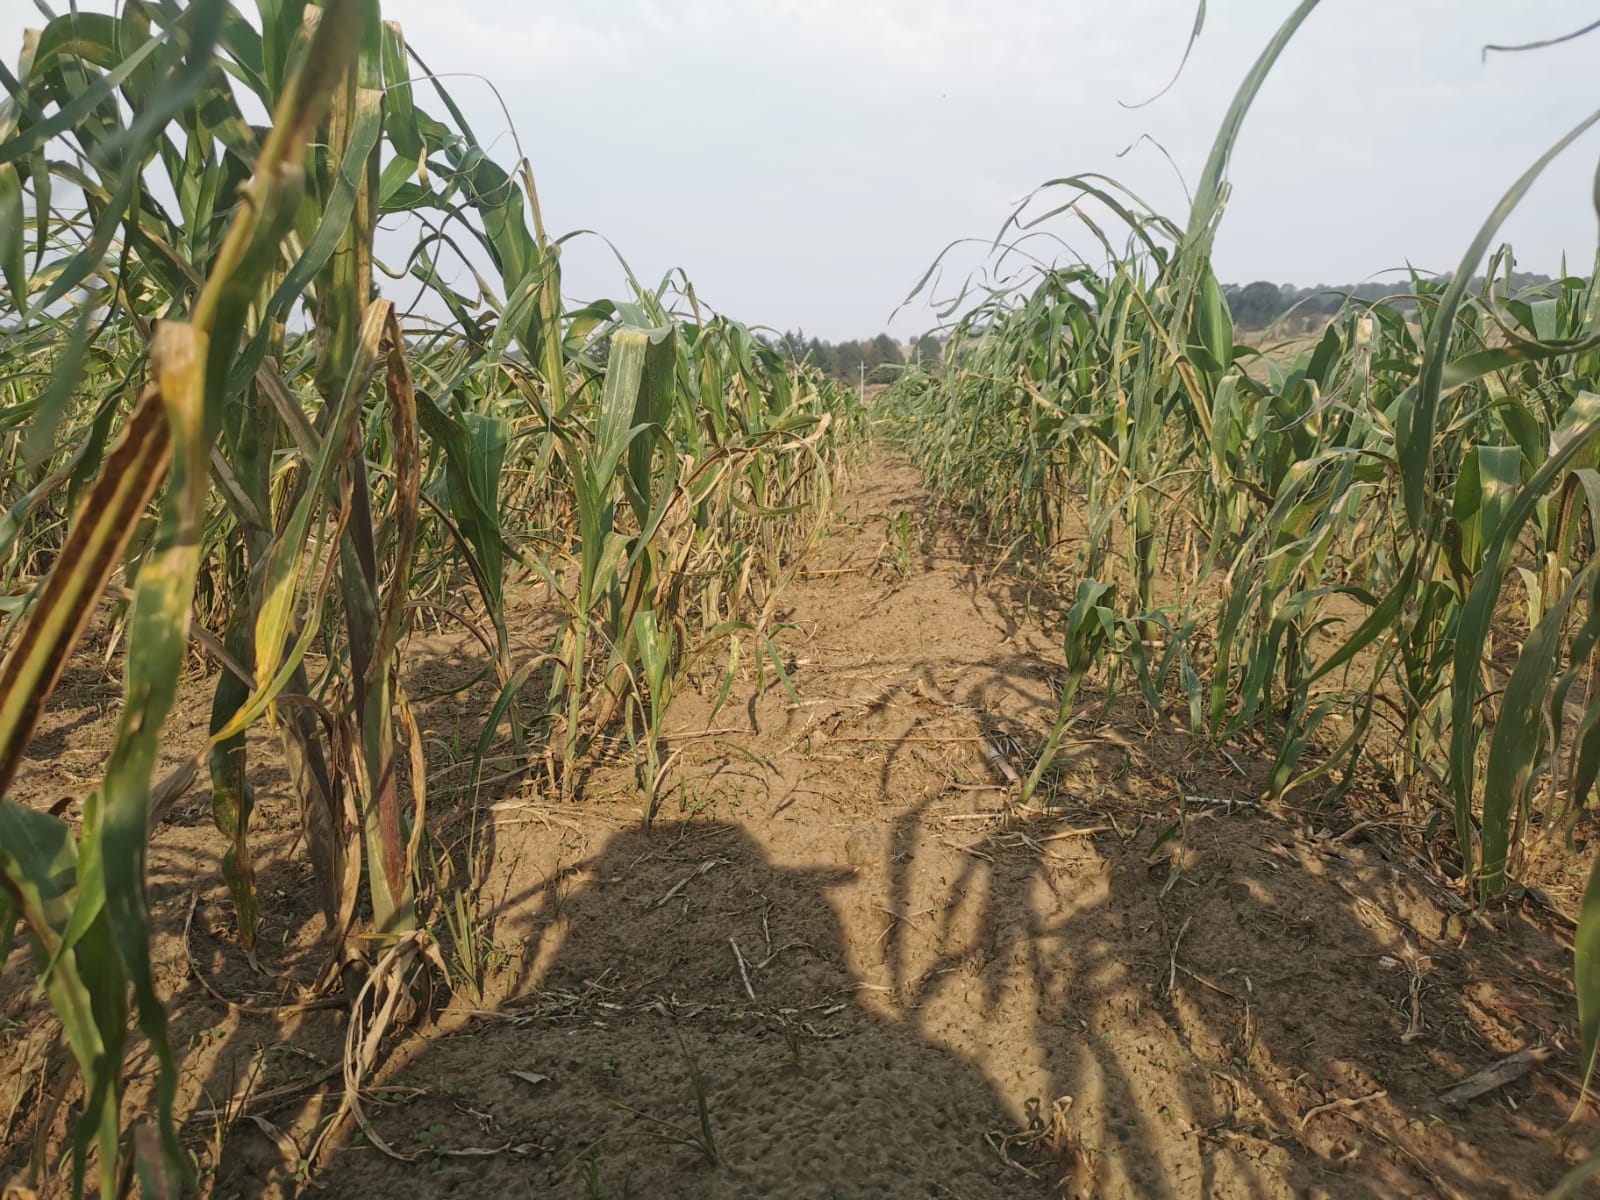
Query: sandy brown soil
(838, 966)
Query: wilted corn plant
(193, 299)
(1381, 556)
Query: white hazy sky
(805, 160)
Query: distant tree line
(1259, 304)
(880, 357)
(1254, 306)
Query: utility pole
(863, 381)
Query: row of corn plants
(227, 421)
(1376, 559)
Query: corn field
(234, 425)
(206, 393)
(1377, 560)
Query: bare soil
(841, 964)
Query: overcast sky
(805, 160)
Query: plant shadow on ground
(989, 1018)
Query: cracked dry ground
(833, 969)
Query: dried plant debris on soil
(843, 965)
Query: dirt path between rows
(839, 967)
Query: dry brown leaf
(1508, 1070)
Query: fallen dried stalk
(1172, 964)
(743, 973)
(762, 965)
(1001, 1145)
(972, 849)
(1087, 831)
(689, 878)
(1508, 1070)
(387, 986)
(1337, 1105)
(999, 763)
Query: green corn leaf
(338, 206)
(87, 37)
(1416, 433)
(1490, 476)
(38, 877)
(13, 244)
(1586, 969)
(1519, 733)
(1575, 435)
